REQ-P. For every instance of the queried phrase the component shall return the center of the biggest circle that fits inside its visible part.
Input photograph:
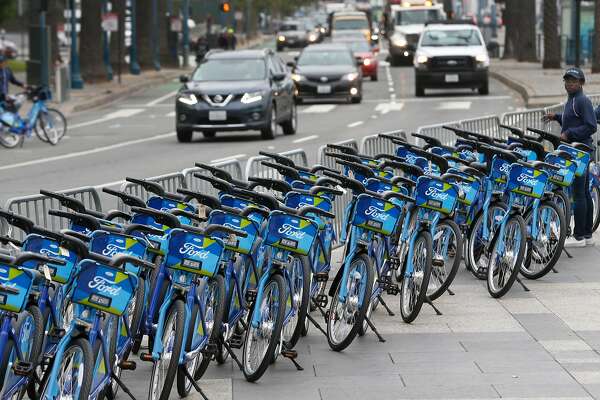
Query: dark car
(327, 71)
(294, 33)
(234, 91)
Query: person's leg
(580, 212)
(589, 215)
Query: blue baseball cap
(574, 72)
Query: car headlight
(189, 99)
(352, 76)
(251, 97)
(281, 38)
(482, 60)
(399, 40)
(312, 37)
(297, 77)
(422, 59)
(367, 61)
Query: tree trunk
(118, 7)
(90, 37)
(551, 38)
(596, 48)
(512, 31)
(55, 17)
(168, 58)
(527, 21)
(144, 34)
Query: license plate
(451, 78)
(323, 89)
(217, 115)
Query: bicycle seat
(400, 164)
(222, 174)
(269, 183)
(470, 170)
(541, 165)
(481, 167)
(515, 131)
(582, 147)
(431, 141)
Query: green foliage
(8, 9)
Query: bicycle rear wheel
(414, 287)
(300, 296)
(447, 249)
(543, 251)
(53, 126)
(10, 140)
(476, 249)
(596, 207)
(506, 256)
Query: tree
(551, 38)
(167, 58)
(8, 10)
(145, 28)
(526, 50)
(596, 52)
(90, 37)
(118, 7)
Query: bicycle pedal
(128, 365)
(251, 295)
(146, 357)
(437, 262)
(56, 334)
(321, 277)
(236, 341)
(291, 354)
(322, 300)
(393, 289)
(395, 263)
(210, 349)
(22, 368)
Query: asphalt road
(135, 137)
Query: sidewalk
(538, 87)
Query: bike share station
(201, 262)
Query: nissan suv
(236, 91)
(451, 55)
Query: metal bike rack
(234, 167)
(373, 144)
(255, 168)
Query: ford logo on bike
(191, 250)
(527, 179)
(104, 285)
(112, 249)
(435, 193)
(376, 213)
(289, 230)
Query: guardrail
(170, 182)
(373, 145)
(487, 125)
(36, 207)
(255, 168)
(437, 130)
(329, 162)
(523, 119)
(234, 167)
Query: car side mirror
(184, 79)
(279, 76)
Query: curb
(522, 90)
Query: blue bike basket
(164, 204)
(527, 181)
(500, 170)
(15, 285)
(195, 253)
(238, 203)
(436, 195)
(376, 215)
(291, 233)
(112, 244)
(239, 245)
(48, 247)
(468, 190)
(103, 287)
(581, 158)
(298, 200)
(565, 175)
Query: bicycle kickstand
(428, 301)
(383, 303)
(122, 385)
(316, 324)
(232, 354)
(525, 288)
(291, 355)
(192, 381)
(375, 331)
(567, 253)
(450, 292)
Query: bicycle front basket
(527, 181)
(375, 214)
(298, 200)
(15, 285)
(51, 248)
(581, 158)
(436, 195)
(112, 244)
(565, 175)
(238, 244)
(192, 252)
(290, 232)
(103, 287)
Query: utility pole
(134, 66)
(76, 80)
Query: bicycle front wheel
(299, 294)
(76, 371)
(447, 251)
(9, 139)
(414, 285)
(543, 251)
(51, 126)
(506, 256)
(477, 245)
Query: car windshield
(290, 27)
(328, 57)
(463, 37)
(410, 17)
(350, 23)
(358, 46)
(231, 70)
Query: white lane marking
(385, 108)
(355, 124)
(270, 147)
(161, 98)
(171, 114)
(390, 80)
(454, 105)
(319, 109)
(373, 116)
(437, 99)
(293, 53)
(125, 113)
(384, 64)
(86, 152)
(306, 139)
(233, 157)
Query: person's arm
(13, 80)
(597, 113)
(583, 132)
(558, 118)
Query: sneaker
(573, 242)
(589, 241)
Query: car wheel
(290, 126)
(357, 99)
(375, 78)
(419, 90)
(209, 135)
(184, 135)
(395, 61)
(269, 131)
(484, 89)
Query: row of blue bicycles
(185, 279)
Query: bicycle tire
(88, 364)
(16, 139)
(564, 203)
(525, 271)
(38, 343)
(51, 138)
(515, 218)
(111, 390)
(359, 314)
(265, 359)
(409, 315)
(176, 317)
(474, 254)
(303, 306)
(596, 195)
(449, 277)
(138, 311)
(218, 284)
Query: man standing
(578, 124)
(6, 77)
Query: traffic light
(225, 6)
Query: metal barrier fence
(234, 167)
(523, 119)
(330, 162)
(487, 125)
(554, 126)
(438, 131)
(373, 145)
(36, 207)
(255, 168)
(170, 182)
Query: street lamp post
(76, 81)
(134, 66)
(186, 32)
